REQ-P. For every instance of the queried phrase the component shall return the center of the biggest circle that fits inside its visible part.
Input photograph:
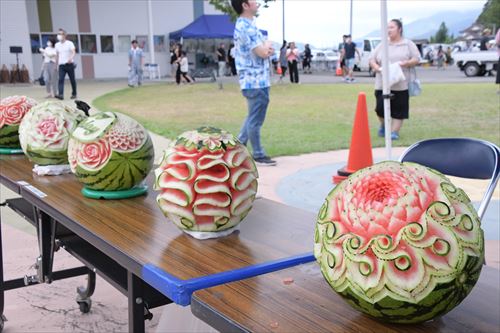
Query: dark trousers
(178, 75)
(294, 71)
(70, 70)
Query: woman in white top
(184, 66)
(49, 68)
(404, 52)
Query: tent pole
(151, 40)
(385, 78)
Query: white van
(369, 45)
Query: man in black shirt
(221, 58)
(348, 55)
(485, 39)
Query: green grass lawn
(310, 118)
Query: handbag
(414, 85)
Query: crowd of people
(250, 57)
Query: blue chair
(460, 157)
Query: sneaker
(73, 97)
(59, 97)
(353, 80)
(381, 131)
(394, 136)
(264, 161)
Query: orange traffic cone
(360, 152)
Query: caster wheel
(85, 305)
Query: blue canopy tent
(207, 26)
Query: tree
(490, 16)
(441, 35)
(225, 7)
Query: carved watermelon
(207, 181)
(399, 242)
(110, 152)
(45, 130)
(12, 111)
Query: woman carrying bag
(405, 53)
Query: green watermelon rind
(9, 136)
(47, 157)
(122, 171)
(444, 298)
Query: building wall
(13, 24)
(107, 18)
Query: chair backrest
(460, 157)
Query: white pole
(151, 40)
(350, 21)
(385, 78)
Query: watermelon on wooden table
(399, 242)
(207, 181)
(45, 130)
(12, 111)
(110, 152)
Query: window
(89, 44)
(74, 39)
(124, 43)
(143, 42)
(159, 43)
(367, 46)
(107, 44)
(35, 43)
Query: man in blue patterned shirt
(252, 54)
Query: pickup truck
(476, 63)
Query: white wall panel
(32, 12)
(14, 32)
(64, 15)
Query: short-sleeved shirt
(64, 51)
(222, 56)
(253, 71)
(135, 56)
(350, 50)
(403, 50)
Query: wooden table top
(270, 303)
(138, 229)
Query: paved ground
(51, 308)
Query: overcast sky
(323, 22)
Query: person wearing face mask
(65, 60)
(50, 68)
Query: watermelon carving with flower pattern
(207, 181)
(110, 152)
(45, 130)
(399, 242)
(12, 111)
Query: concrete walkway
(52, 308)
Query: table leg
(2, 292)
(135, 304)
(46, 240)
